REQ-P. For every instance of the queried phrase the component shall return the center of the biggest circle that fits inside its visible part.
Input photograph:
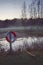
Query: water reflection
(20, 42)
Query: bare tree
(24, 10)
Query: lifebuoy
(12, 39)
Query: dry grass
(21, 59)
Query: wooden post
(10, 44)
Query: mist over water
(21, 42)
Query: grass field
(21, 59)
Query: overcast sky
(10, 9)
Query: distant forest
(21, 22)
